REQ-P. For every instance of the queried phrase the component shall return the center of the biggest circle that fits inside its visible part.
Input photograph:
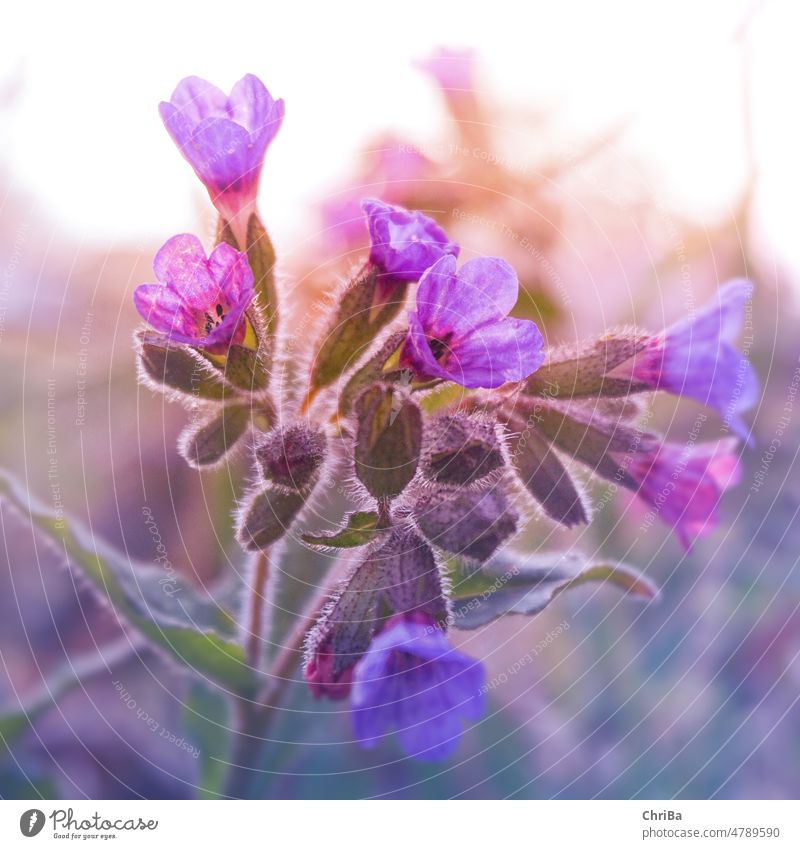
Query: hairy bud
(267, 516)
(291, 456)
(583, 370)
(399, 575)
(471, 523)
(388, 440)
(461, 449)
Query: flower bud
(544, 476)
(388, 440)
(397, 576)
(206, 445)
(571, 372)
(267, 517)
(461, 449)
(291, 456)
(467, 522)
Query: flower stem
(256, 610)
(255, 716)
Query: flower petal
(197, 99)
(498, 353)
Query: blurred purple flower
(224, 138)
(198, 301)
(404, 243)
(461, 330)
(413, 680)
(697, 358)
(453, 69)
(683, 484)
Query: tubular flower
(224, 137)
(413, 680)
(198, 301)
(461, 331)
(697, 358)
(684, 484)
(404, 243)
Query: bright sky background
(85, 138)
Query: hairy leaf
(207, 445)
(512, 583)
(359, 529)
(162, 607)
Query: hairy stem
(254, 717)
(256, 610)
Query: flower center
(439, 347)
(214, 320)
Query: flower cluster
(441, 480)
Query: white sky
(85, 138)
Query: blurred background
(625, 157)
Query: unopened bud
(291, 456)
(388, 440)
(471, 523)
(461, 449)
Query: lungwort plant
(447, 423)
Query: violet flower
(453, 69)
(404, 243)
(461, 330)
(683, 484)
(198, 301)
(413, 680)
(697, 358)
(224, 137)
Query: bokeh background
(625, 157)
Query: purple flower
(224, 138)
(697, 358)
(683, 484)
(452, 69)
(460, 330)
(198, 301)
(404, 243)
(413, 680)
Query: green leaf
(206, 445)
(268, 515)
(512, 583)
(363, 311)
(13, 723)
(159, 604)
(207, 720)
(180, 369)
(261, 256)
(359, 529)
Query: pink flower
(198, 301)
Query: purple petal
(197, 99)
(417, 352)
(404, 243)
(696, 358)
(425, 699)
(252, 106)
(164, 309)
(181, 264)
(506, 351)
(484, 291)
